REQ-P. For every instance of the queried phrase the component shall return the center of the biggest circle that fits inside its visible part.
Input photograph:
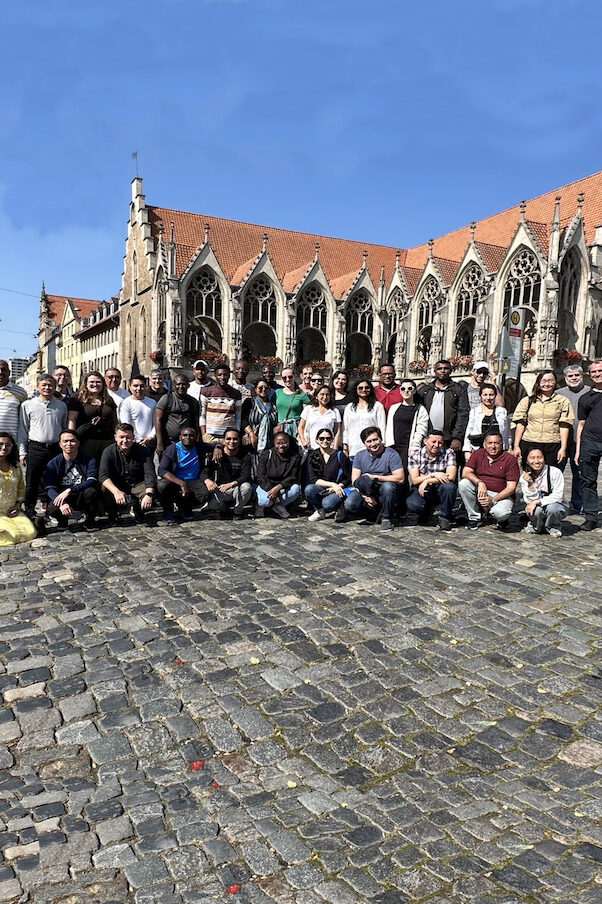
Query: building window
(523, 290)
(568, 296)
(311, 308)
(431, 300)
(472, 291)
(134, 274)
(203, 297)
(360, 316)
(143, 333)
(465, 337)
(260, 303)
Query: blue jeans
(589, 461)
(576, 486)
(387, 497)
(286, 496)
(313, 494)
(442, 495)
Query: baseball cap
(199, 363)
(480, 365)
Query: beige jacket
(544, 419)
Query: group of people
(385, 452)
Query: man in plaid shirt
(432, 474)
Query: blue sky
(385, 121)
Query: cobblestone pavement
(301, 713)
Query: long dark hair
(355, 398)
(315, 402)
(338, 373)
(542, 373)
(13, 456)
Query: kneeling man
(489, 483)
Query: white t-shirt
(314, 422)
(195, 389)
(140, 414)
(118, 395)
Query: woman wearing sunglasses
(363, 411)
(290, 402)
(329, 476)
(407, 423)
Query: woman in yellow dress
(15, 527)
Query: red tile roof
(499, 228)
(237, 244)
(56, 306)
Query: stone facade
(194, 284)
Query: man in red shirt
(387, 392)
(489, 482)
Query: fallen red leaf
(232, 889)
(177, 660)
(215, 784)
(196, 765)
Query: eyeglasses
(407, 388)
(323, 438)
(364, 388)
(316, 380)
(288, 377)
(231, 439)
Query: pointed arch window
(135, 274)
(472, 290)
(397, 308)
(523, 289)
(143, 333)
(203, 297)
(311, 308)
(431, 299)
(260, 302)
(360, 315)
(568, 296)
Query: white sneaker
(529, 529)
(281, 510)
(555, 532)
(318, 515)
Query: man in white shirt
(42, 419)
(113, 382)
(239, 379)
(201, 380)
(11, 397)
(139, 411)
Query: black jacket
(456, 409)
(127, 470)
(273, 470)
(229, 468)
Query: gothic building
(194, 284)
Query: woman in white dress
(363, 411)
(318, 415)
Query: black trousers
(85, 501)
(38, 456)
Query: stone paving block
(222, 735)
(146, 871)
(109, 748)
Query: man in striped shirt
(11, 397)
(220, 406)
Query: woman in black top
(340, 393)
(329, 474)
(93, 415)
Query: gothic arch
(359, 322)
(471, 291)
(429, 301)
(464, 337)
(522, 289)
(203, 311)
(143, 336)
(569, 284)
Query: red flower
(177, 660)
(215, 784)
(196, 765)
(232, 889)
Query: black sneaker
(340, 515)
(473, 525)
(444, 524)
(588, 525)
(90, 526)
(40, 525)
(504, 525)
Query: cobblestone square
(305, 714)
